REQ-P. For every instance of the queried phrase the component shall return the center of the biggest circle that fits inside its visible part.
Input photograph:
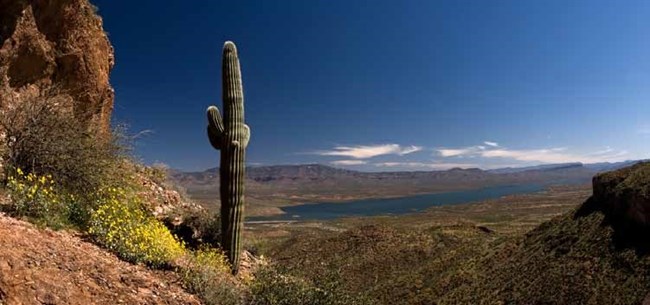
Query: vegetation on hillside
(61, 173)
(578, 257)
(572, 259)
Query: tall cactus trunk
(231, 136)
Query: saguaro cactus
(230, 135)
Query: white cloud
(493, 144)
(605, 151)
(409, 149)
(369, 151)
(544, 155)
(449, 152)
(348, 162)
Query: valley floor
(509, 215)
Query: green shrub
(207, 274)
(256, 246)
(121, 225)
(271, 287)
(44, 136)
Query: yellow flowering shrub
(121, 225)
(38, 197)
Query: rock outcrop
(56, 45)
(625, 194)
(624, 197)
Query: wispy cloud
(425, 165)
(606, 151)
(409, 149)
(493, 144)
(348, 162)
(369, 151)
(544, 155)
(644, 130)
(457, 152)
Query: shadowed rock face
(60, 44)
(625, 194)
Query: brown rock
(60, 44)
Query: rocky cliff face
(624, 196)
(60, 45)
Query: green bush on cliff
(207, 274)
(44, 136)
(273, 287)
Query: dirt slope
(39, 266)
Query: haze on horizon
(386, 85)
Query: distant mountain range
(317, 172)
(292, 184)
(597, 167)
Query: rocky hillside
(596, 254)
(60, 46)
(39, 266)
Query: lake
(395, 206)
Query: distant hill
(316, 172)
(607, 166)
(292, 184)
(597, 167)
(537, 167)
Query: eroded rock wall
(60, 46)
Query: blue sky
(389, 85)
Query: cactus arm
(214, 119)
(215, 128)
(246, 136)
(216, 138)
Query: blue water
(395, 206)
